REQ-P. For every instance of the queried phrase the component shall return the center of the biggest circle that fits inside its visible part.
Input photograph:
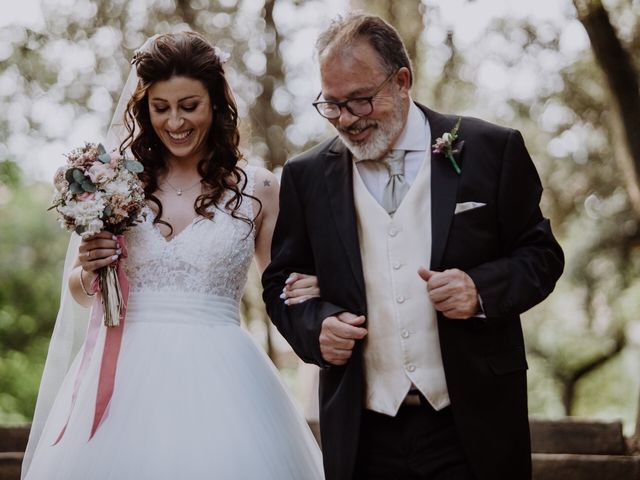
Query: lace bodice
(208, 257)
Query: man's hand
(452, 292)
(338, 336)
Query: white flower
(93, 227)
(116, 187)
(447, 137)
(222, 55)
(83, 212)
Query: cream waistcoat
(402, 345)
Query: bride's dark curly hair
(188, 54)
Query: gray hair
(385, 40)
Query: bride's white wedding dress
(194, 397)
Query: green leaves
(103, 156)
(88, 186)
(69, 175)
(133, 166)
(78, 181)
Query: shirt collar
(414, 135)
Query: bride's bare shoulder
(263, 185)
(263, 178)
(259, 179)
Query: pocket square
(464, 206)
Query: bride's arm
(299, 287)
(266, 190)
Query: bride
(193, 396)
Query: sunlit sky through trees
(64, 127)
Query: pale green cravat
(396, 188)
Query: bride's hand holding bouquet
(99, 196)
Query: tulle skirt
(194, 398)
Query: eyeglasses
(359, 106)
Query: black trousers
(419, 443)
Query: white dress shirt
(415, 139)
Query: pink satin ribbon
(112, 342)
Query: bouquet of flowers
(98, 191)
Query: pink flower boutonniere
(445, 143)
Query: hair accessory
(221, 54)
(137, 55)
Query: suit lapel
(339, 180)
(444, 188)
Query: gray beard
(380, 139)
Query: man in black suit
(427, 239)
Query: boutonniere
(445, 145)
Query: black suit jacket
(507, 248)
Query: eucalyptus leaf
(88, 186)
(80, 229)
(107, 211)
(78, 175)
(68, 176)
(105, 158)
(133, 166)
(76, 188)
(101, 149)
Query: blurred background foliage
(577, 106)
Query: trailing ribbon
(112, 342)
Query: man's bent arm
(532, 259)
(291, 252)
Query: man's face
(356, 71)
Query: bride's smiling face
(181, 115)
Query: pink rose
(100, 172)
(84, 196)
(115, 158)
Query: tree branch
(622, 78)
(571, 380)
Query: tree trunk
(186, 11)
(622, 79)
(405, 16)
(267, 123)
